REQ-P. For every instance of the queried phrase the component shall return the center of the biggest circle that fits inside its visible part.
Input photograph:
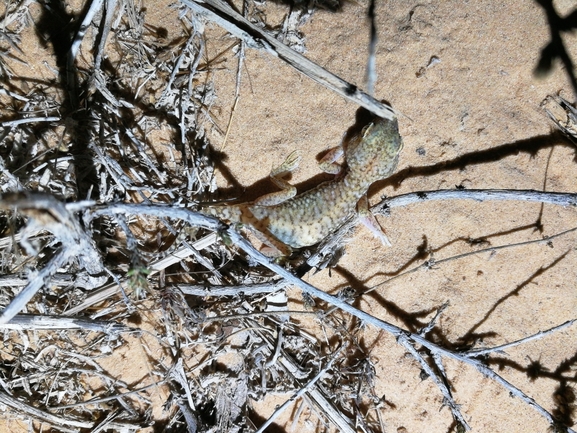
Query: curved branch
(557, 198)
(331, 243)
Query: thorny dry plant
(92, 275)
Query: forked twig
(405, 341)
(48, 213)
(301, 391)
(477, 353)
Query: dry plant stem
(108, 424)
(108, 290)
(222, 14)
(13, 95)
(271, 314)
(178, 62)
(188, 415)
(217, 291)
(476, 353)
(64, 424)
(95, 6)
(318, 400)
(110, 8)
(436, 378)
(558, 198)
(12, 123)
(35, 322)
(434, 320)
(97, 400)
(399, 333)
(382, 208)
(46, 212)
(236, 94)
(301, 392)
(194, 252)
(9, 18)
(60, 280)
(241, 55)
(371, 73)
(178, 375)
(20, 301)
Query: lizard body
(306, 219)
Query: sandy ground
(480, 104)
(481, 98)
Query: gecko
(284, 220)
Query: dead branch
(64, 424)
(329, 245)
(223, 15)
(47, 213)
(301, 391)
(404, 337)
(35, 322)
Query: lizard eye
(365, 131)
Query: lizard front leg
(369, 221)
(328, 162)
(276, 175)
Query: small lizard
(283, 219)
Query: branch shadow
(425, 252)
(564, 397)
(530, 146)
(264, 186)
(57, 27)
(470, 337)
(412, 321)
(555, 49)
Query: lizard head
(374, 153)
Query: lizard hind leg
(272, 247)
(369, 221)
